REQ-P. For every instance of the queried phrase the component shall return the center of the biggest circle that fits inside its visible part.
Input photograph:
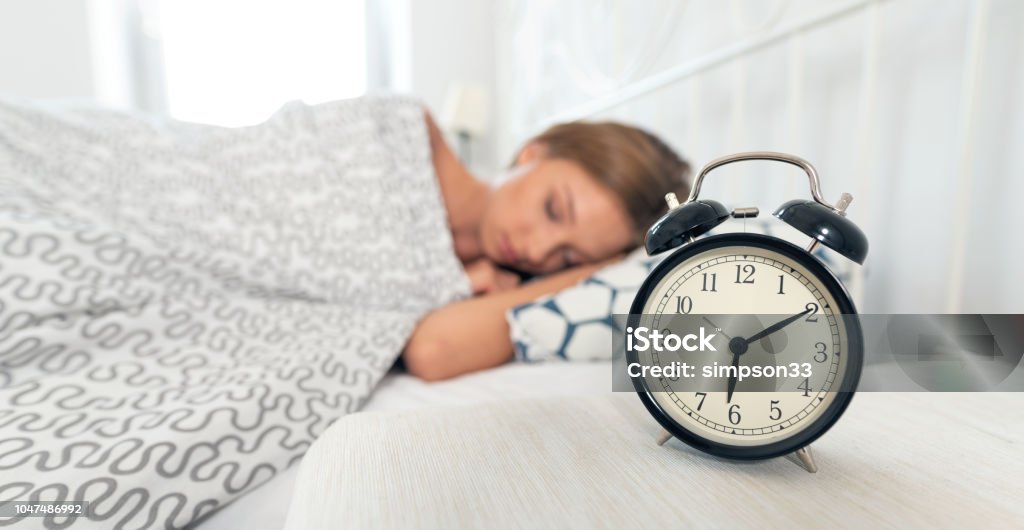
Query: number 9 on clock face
(784, 359)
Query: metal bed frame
(791, 34)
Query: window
(234, 62)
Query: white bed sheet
(267, 506)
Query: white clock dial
(765, 287)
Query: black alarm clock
(803, 317)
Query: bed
(267, 506)
(895, 459)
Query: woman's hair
(634, 164)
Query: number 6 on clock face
(792, 313)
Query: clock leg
(806, 459)
(664, 437)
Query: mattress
(267, 506)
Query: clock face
(771, 307)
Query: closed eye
(551, 211)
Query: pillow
(576, 324)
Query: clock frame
(853, 349)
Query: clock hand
(738, 346)
(732, 378)
(778, 325)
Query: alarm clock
(788, 307)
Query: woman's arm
(472, 334)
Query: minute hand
(778, 325)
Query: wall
(98, 50)
(45, 49)
(453, 41)
(77, 50)
(896, 145)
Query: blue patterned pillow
(576, 323)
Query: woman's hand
(485, 277)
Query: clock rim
(854, 353)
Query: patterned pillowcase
(576, 324)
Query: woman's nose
(541, 248)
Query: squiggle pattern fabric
(184, 308)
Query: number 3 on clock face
(763, 281)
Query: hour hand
(738, 346)
(732, 378)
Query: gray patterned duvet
(184, 308)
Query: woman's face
(551, 215)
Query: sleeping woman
(188, 290)
(577, 197)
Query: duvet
(184, 308)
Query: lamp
(465, 114)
